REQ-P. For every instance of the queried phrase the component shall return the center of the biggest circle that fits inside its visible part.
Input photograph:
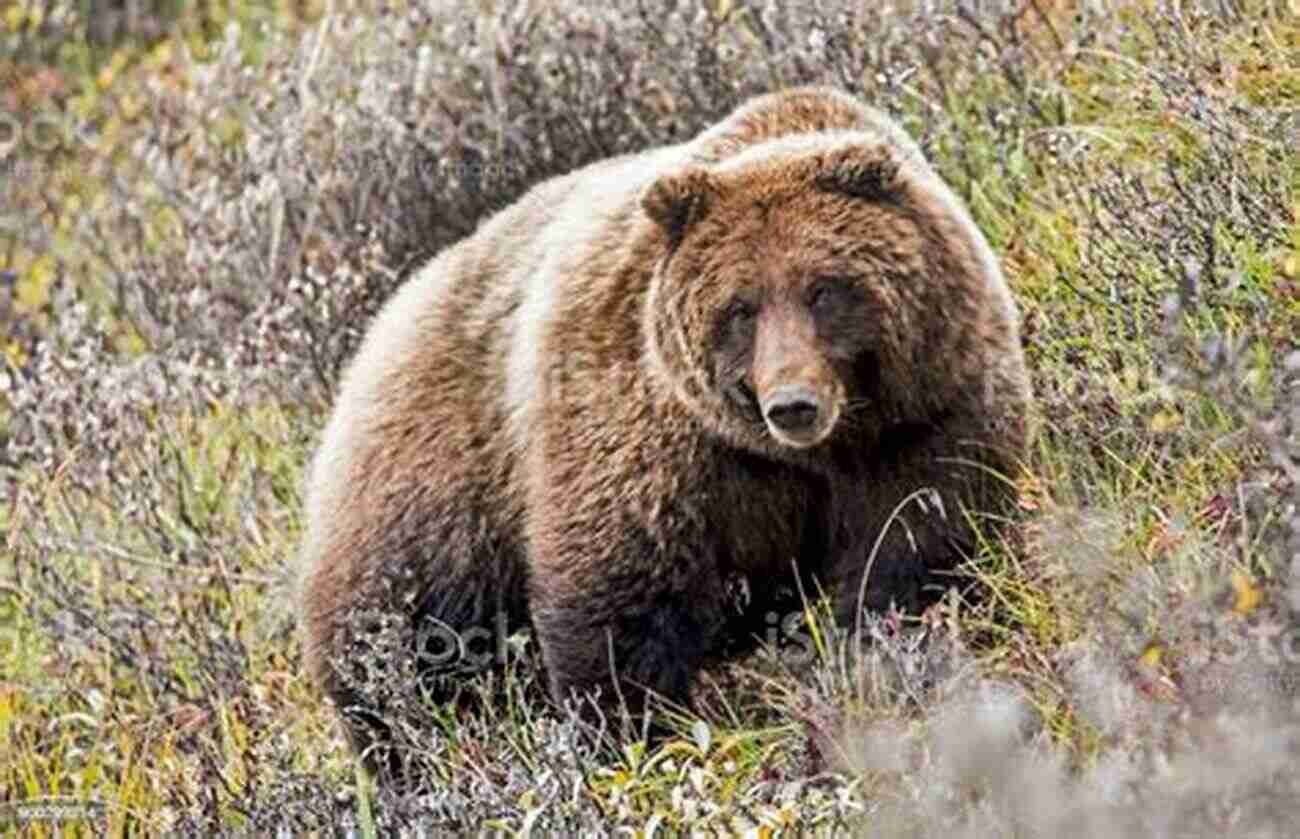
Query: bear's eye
(740, 314)
(827, 293)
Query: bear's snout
(792, 409)
(798, 393)
(799, 414)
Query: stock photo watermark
(29, 142)
(788, 634)
(53, 811)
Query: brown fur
(569, 418)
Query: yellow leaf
(1246, 597)
(1151, 655)
(17, 355)
(32, 289)
(1291, 266)
(15, 17)
(163, 52)
(1165, 421)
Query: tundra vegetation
(202, 204)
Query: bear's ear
(678, 200)
(861, 171)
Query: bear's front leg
(916, 529)
(893, 561)
(627, 618)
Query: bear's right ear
(861, 171)
(678, 200)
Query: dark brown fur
(568, 419)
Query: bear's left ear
(678, 200)
(861, 171)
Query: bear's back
(811, 110)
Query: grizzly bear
(730, 361)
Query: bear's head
(810, 288)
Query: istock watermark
(41, 132)
(28, 143)
(439, 646)
(493, 642)
(53, 810)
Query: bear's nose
(792, 409)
